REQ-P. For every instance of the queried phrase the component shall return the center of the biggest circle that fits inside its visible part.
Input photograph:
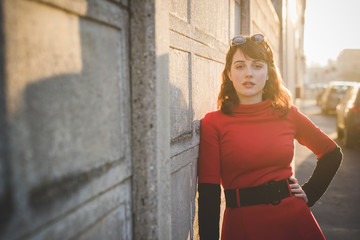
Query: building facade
(101, 105)
(348, 63)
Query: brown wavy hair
(274, 88)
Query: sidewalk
(338, 211)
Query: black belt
(269, 193)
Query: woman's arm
(328, 153)
(323, 173)
(209, 210)
(209, 179)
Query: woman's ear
(229, 75)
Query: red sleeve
(209, 151)
(309, 135)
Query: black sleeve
(209, 210)
(324, 172)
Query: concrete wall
(67, 92)
(100, 108)
(149, 34)
(199, 38)
(261, 17)
(293, 61)
(264, 19)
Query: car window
(342, 89)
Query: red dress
(250, 147)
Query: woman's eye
(259, 66)
(240, 66)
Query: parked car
(348, 117)
(319, 95)
(332, 94)
(315, 89)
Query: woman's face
(249, 77)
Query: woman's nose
(249, 71)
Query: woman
(248, 145)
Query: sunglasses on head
(238, 40)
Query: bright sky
(330, 27)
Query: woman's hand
(297, 190)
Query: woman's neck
(250, 100)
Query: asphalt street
(338, 211)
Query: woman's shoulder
(295, 114)
(212, 121)
(212, 117)
(293, 111)
(296, 111)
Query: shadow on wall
(65, 134)
(6, 207)
(64, 130)
(184, 134)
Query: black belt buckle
(274, 197)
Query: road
(338, 211)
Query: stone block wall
(200, 33)
(266, 21)
(101, 102)
(66, 104)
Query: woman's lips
(248, 84)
